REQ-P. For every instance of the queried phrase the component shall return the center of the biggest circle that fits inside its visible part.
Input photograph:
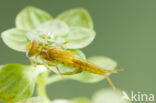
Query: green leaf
(79, 37)
(77, 17)
(15, 39)
(60, 101)
(78, 53)
(36, 35)
(80, 100)
(32, 100)
(54, 27)
(86, 77)
(17, 82)
(1, 66)
(55, 30)
(75, 100)
(104, 62)
(30, 17)
(106, 95)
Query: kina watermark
(140, 97)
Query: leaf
(86, 77)
(61, 101)
(77, 17)
(103, 62)
(54, 30)
(32, 100)
(80, 100)
(30, 17)
(79, 37)
(36, 35)
(17, 82)
(1, 66)
(78, 53)
(75, 100)
(54, 27)
(106, 95)
(41, 36)
(15, 39)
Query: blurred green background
(126, 32)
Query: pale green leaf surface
(17, 81)
(32, 100)
(61, 101)
(109, 96)
(80, 100)
(40, 37)
(75, 100)
(54, 27)
(15, 39)
(36, 35)
(79, 37)
(54, 30)
(52, 40)
(77, 17)
(104, 62)
(1, 66)
(78, 53)
(30, 17)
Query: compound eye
(29, 46)
(35, 43)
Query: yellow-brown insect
(50, 53)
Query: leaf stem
(41, 87)
(41, 91)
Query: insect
(49, 54)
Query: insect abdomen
(86, 66)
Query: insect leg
(114, 71)
(35, 61)
(109, 81)
(46, 65)
(49, 69)
(56, 68)
(34, 64)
